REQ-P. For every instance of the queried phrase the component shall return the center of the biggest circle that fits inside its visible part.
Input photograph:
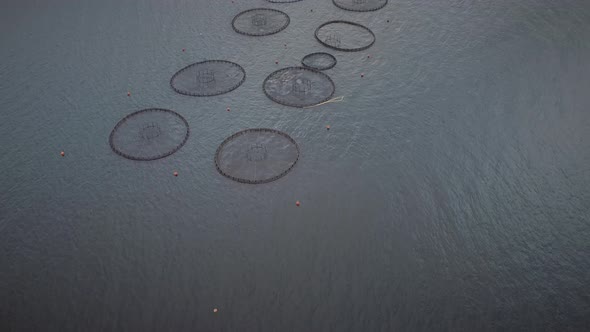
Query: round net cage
(149, 134)
(319, 61)
(345, 36)
(298, 87)
(208, 78)
(260, 22)
(257, 155)
(360, 5)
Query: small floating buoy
(183, 50)
(368, 56)
(175, 173)
(327, 127)
(62, 153)
(128, 94)
(228, 109)
(276, 62)
(387, 21)
(215, 310)
(297, 203)
(362, 75)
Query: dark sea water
(452, 192)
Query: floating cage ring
(260, 22)
(208, 78)
(282, 1)
(334, 40)
(138, 135)
(257, 155)
(360, 5)
(307, 61)
(298, 87)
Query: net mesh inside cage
(298, 87)
(149, 134)
(360, 5)
(260, 22)
(257, 155)
(345, 36)
(319, 61)
(208, 78)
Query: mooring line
(333, 100)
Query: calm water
(451, 194)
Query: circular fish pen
(260, 22)
(298, 87)
(208, 78)
(319, 61)
(345, 36)
(360, 5)
(149, 134)
(258, 155)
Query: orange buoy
(328, 127)
(297, 203)
(215, 310)
(175, 173)
(62, 153)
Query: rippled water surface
(452, 192)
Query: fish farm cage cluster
(258, 155)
